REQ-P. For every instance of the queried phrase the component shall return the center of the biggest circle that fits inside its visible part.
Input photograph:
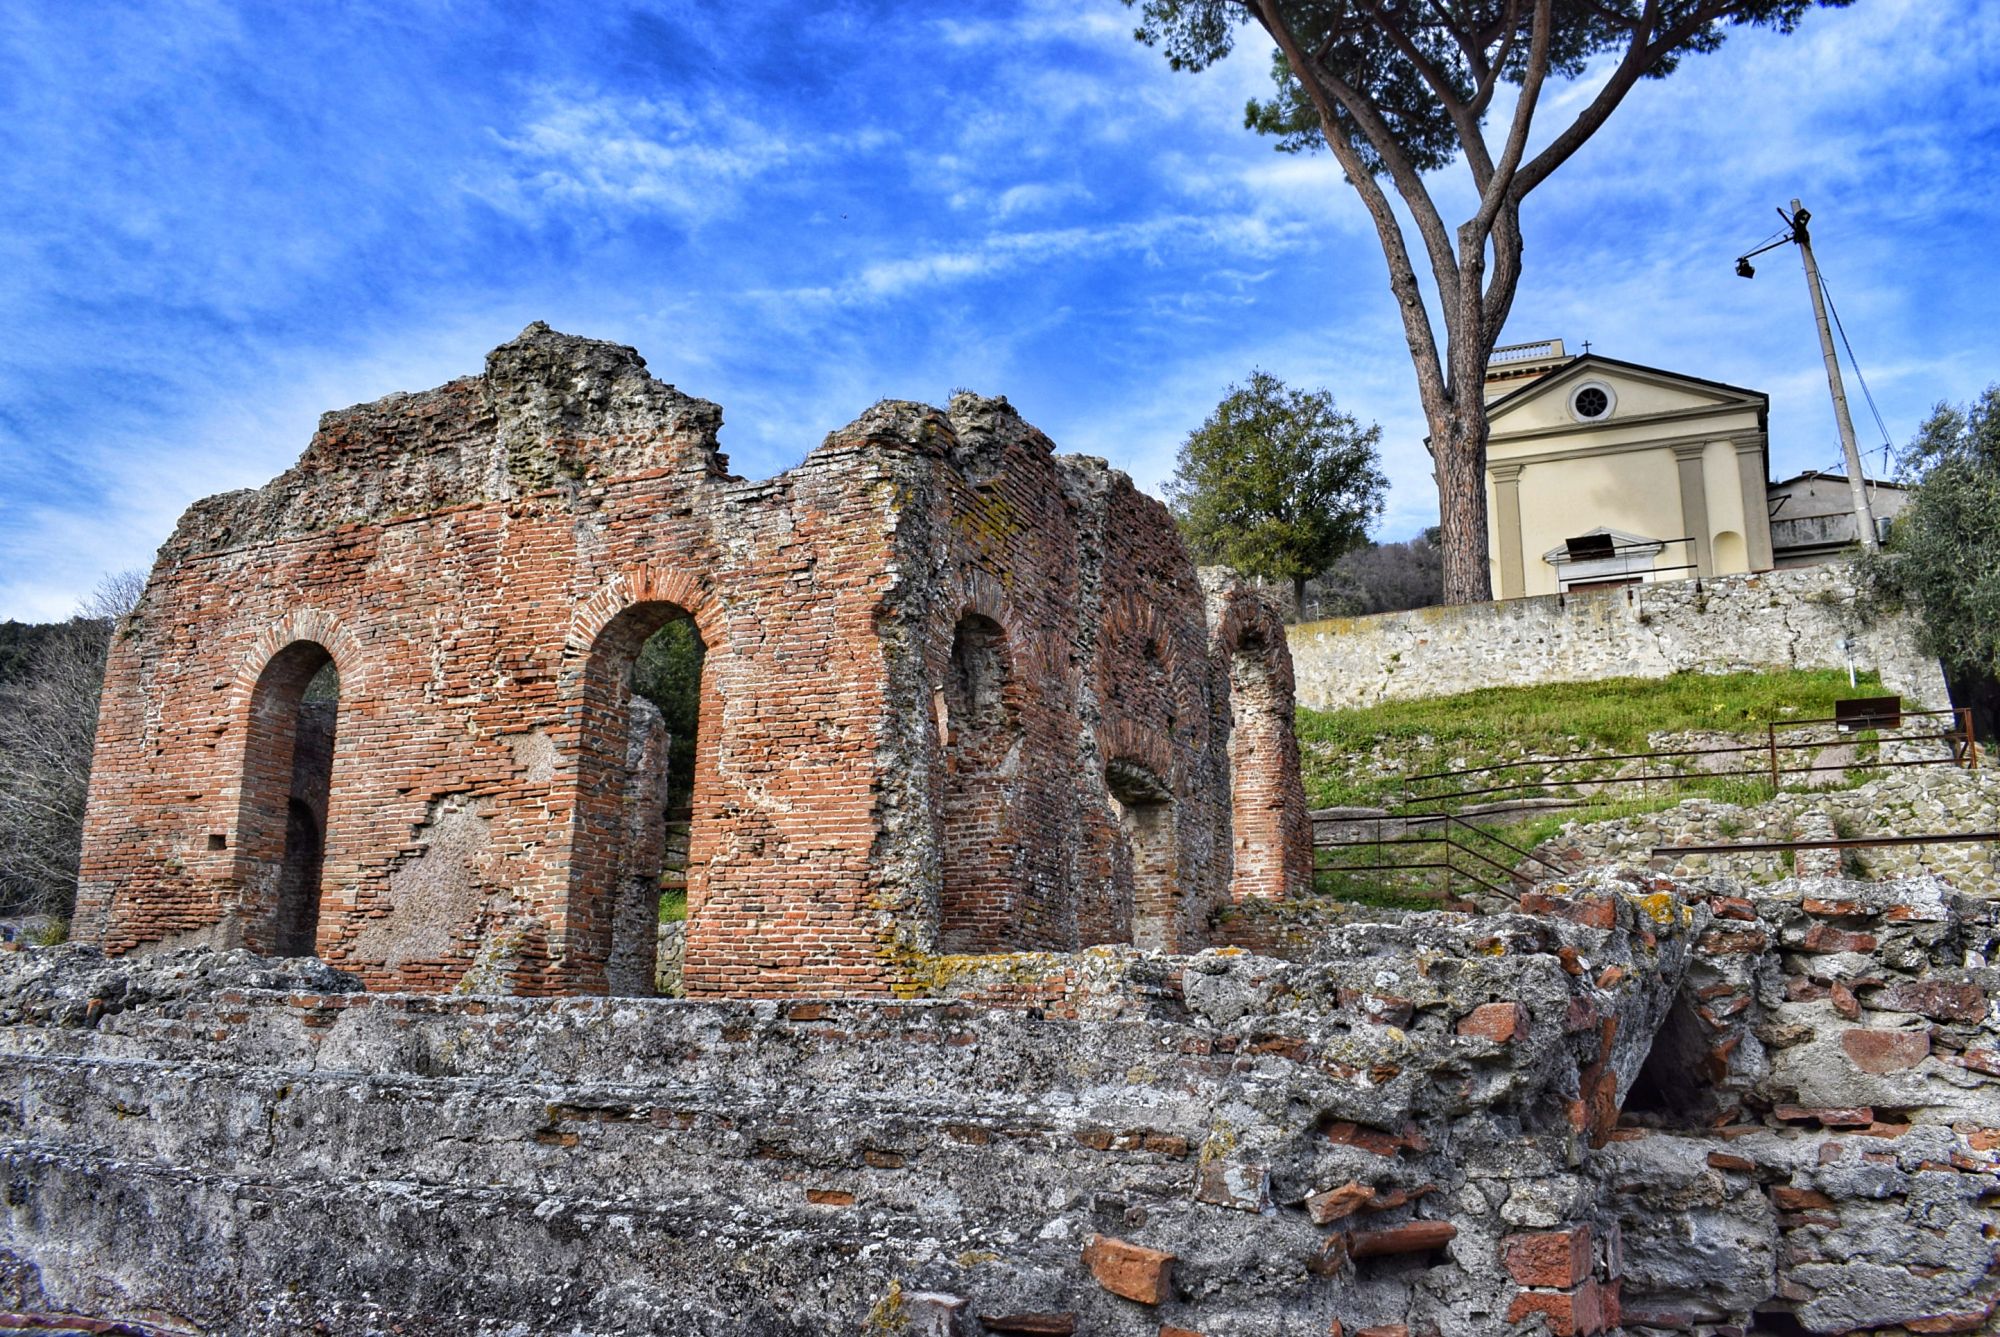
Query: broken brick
(1234, 1184)
(1410, 1237)
(1332, 1204)
(1498, 1022)
(1826, 939)
(1129, 1270)
(1031, 1325)
(1589, 1309)
(1548, 1258)
(1880, 1052)
(1935, 999)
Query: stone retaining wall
(1643, 1104)
(1910, 801)
(1724, 624)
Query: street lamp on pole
(1795, 224)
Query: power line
(1855, 362)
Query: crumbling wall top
(551, 409)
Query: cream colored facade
(1670, 469)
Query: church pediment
(1592, 391)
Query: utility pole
(1864, 514)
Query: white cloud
(999, 252)
(1034, 197)
(583, 147)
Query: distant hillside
(18, 643)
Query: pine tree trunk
(1459, 449)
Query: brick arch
(599, 938)
(649, 582)
(1136, 745)
(1247, 617)
(301, 624)
(979, 705)
(258, 796)
(1131, 621)
(975, 590)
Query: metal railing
(1963, 751)
(1832, 843)
(1449, 823)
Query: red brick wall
(1271, 828)
(482, 562)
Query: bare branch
(1417, 330)
(1639, 56)
(1489, 74)
(1497, 189)
(1614, 15)
(1325, 89)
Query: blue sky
(218, 220)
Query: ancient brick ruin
(961, 695)
(979, 747)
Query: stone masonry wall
(482, 563)
(1926, 799)
(1642, 1108)
(1724, 624)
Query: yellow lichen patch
(923, 974)
(988, 521)
(888, 1314)
(1663, 908)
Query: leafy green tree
(1277, 483)
(668, 673)
(1943, 555)
(1398, 88)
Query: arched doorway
(1148, 854)
(281, 828)
(638, 803)
(980, 731)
